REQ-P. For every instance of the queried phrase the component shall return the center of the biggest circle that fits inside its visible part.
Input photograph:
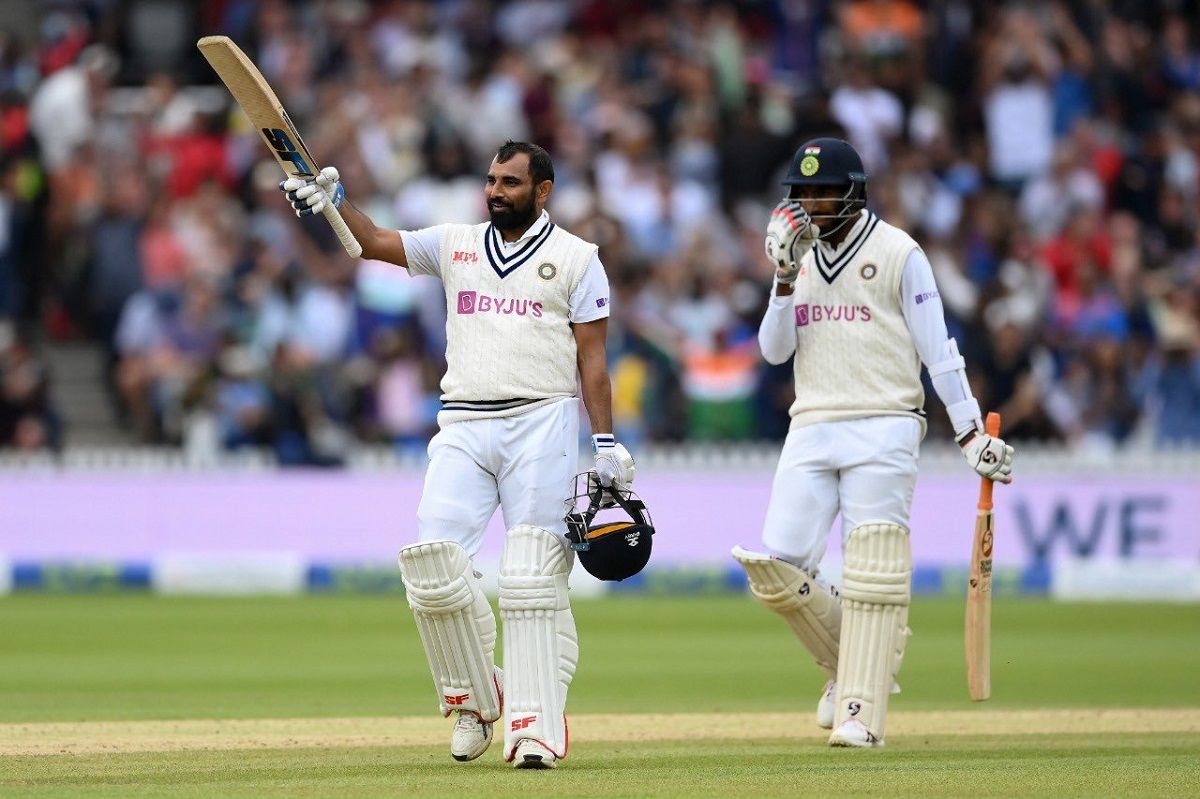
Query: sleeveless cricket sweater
(509, 347)
(854, 354)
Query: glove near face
(790, 234)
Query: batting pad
(456, 626)
(876, 590)
(810, 608)
(540, 644)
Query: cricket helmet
(611, 550)
(836, 164)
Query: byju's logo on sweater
(471, 302)
(806, 314)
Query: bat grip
(334, 217)
(992, 425)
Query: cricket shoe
(827, 706)
(531, 754)
(853, 732)
(472, 736)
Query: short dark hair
(540, 165)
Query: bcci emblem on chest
(547, 271)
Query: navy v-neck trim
(503, 265)
(831, 269)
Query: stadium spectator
(1046, 156)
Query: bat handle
(992, 425)
(334, 217)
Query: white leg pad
(456, 625)
(810, 607)
(540, 644)
(876, 591)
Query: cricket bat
(978, 632)
(254, 95)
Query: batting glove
(311, 195)
(614, 464)
(989, 456)
(790, 235)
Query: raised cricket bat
(254, 95)
(978, 632)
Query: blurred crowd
(1046, 155)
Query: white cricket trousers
(864, 468)
(525, 464)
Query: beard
(512, 217)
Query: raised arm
(310, 196)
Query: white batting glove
(790, 235)
(614, 464)
(989, 456)
(310, 196)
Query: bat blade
(978, 628)
(256, 98)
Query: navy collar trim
(503, 265)
(831, 269)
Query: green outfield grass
(130, 657)
(142, 657)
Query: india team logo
(809, 166)
(547, 271)
(867, 272)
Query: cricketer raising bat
(978, 634)
(254, 95)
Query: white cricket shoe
(853, 732)
(531, 754)
(471, 737)
(827, 706)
